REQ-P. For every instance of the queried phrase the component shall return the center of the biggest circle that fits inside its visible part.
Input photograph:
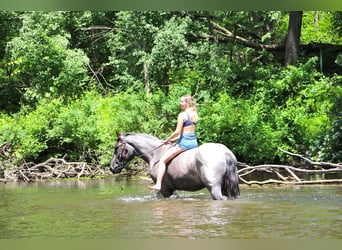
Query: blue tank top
(188, 122)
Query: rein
(139, 155)
(136, 153)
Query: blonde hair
(191, 107)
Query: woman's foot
(154, 187)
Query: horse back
(206, 153)
(215, 151)
(190, 169)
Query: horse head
(123, 153)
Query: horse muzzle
(115, 167)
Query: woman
(185, 131)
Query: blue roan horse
(211, 165)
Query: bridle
(124, 146)
(121, 150)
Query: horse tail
(231, 182)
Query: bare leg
(160, 175)
(169, 155)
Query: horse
(211, 165)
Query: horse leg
(213, 181)
(213, 184)
(215, 192)
(165, 192)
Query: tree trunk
(147, 81)
(293, 38)
(146, 77)
(316, 20)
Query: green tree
(45, 66)
(130, 45)
(9, 95)
(293, 37)
(321, 27)
(69, 80)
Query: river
(123, 208)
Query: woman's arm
(175, 135)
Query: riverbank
(54, 168)
(303, 172)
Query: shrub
(27, 130)
(239, 125)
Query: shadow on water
(123, 208)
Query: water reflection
(120, 208)
(74, 183)
(192, 218)
(170, 221)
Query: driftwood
(308, 172)
(5, 150)
(51, 169)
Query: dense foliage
(70, 80)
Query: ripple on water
(157, 196)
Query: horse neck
(144, 145)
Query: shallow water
(119, 208)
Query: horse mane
(142, 135)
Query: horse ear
(118, 134)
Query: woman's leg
(169, 155)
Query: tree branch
(52, 168)
(228, 35)
(289, 174)
(314, 163)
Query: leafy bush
(239, 125)
(83, 125)
(27, 130)
(298, 110)
(330, 148)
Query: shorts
(187, 141)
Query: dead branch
(226, 35)
(313, 163)
(290, 174)
(261, 174)
(5, 150)
(51, 169)
(273, 181)
(97, 27)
